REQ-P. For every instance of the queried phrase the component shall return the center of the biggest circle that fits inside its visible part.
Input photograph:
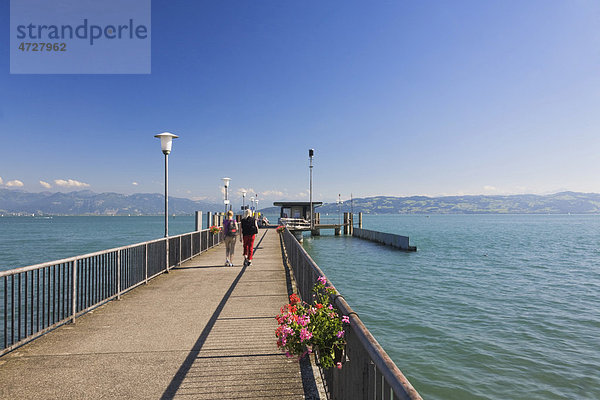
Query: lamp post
(311, 153)
(244, 199)
(256, 202)
(166, 141)
(252, 205)
(226, 201)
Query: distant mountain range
(15, 202)
(559, 203)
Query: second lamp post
(226, 201)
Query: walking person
(249, 231)
(230, 230)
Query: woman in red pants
(249, 231)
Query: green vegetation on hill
(85, 202)
(559, 203)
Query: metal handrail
(369, 373)
(71, 259)
(38, 298)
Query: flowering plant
(305, 327)
(280, 229)
(215, 229)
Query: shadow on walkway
(193, 355)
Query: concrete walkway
(203, 331)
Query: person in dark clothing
(249, 231)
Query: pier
(201, 331)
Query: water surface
(489, 307)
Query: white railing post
(167, 255)
(118, 274)
(146, 252)
(74, 292)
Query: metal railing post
(146, 262)
(74, 292)
(119, 275)
(167, 255)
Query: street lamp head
(166, 140)
(226, 181)
(244, 193)
(311, 153)
(252, 198)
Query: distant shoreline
(87, 203)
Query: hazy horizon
(218, 201)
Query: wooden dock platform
(203, 331)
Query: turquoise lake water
(32, 240)
(489, 307)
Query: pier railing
(41, 297)
(368, 373)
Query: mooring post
(346, 223)
(208, 219)
(360, 220)
(198, 221)
(351, 226)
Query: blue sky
(396, 97)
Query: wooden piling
(346, 229)
(360, 220)
(209, 219)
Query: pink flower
(340, 334)
(322, 280)
(287, 331)
(305, 334)
(330, 307)
(303, 320)
(338, 365)
(346, 319)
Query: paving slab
(203, 331)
